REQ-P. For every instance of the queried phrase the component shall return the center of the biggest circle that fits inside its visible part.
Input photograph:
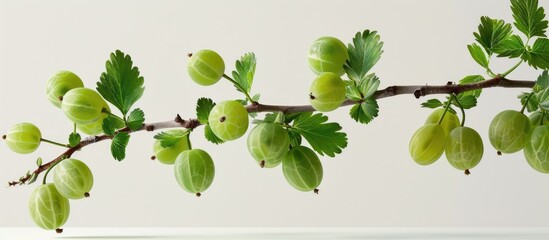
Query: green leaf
(119, 144)
(478, 55)
(255, 98)
(39, 162)
(210, 135)
(363, 54)
(324, 138)
(170, 139)
(529, 18)
(245, 70)
(352, 91)
(203, 108)
(74, 139)
(543, 99)
(533, 103)
(491, 32)
(542, 82)
(466, 101)
(109, 125)
(121, 84)
(511, 47)
(136, 119)
(469, 80)
(295, 138)
(369, 85)
(432, 103)
(538, 56)
(364, 112)
(32, 178)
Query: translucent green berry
(328, 54)
(449, 122)
(228, 120)
(82, 105)
(536, 148)
(508, 131)
(167, 155)
(61, 83)
(268, 143)
(23, 138)
(302, 169)
(96, 127)
(427, 144)
(464, 148)
(194, 170)
(48, 208)
(327, 92)
(205, 67)
(73, 179)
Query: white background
(372, 183)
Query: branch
(417, 90)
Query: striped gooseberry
(228, 120)
(205, 67)
(536, 148)
(82, 105)
(449, 122)
(48, 208)
(61, 83)
(268, 143)
(508, 131)
(23, 138)
(96, 127)
(194, 170)
(302, 169)
(328, 54)
(464, 148)
(427, 144)
(73, 178)
(327, 92)
(167, 155)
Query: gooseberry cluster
(343, 77)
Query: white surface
(279, 233)
(372, 183)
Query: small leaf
(136, 119)
(39, 162)
(432, 103)
(210, 135)
(109, 125)
(32, 178)
(119, 144)
(364, 53)
(74, 139)
(542, 82)
(352, 91)
(295, 138)
(538, 56)
(203, 108)
(469, 80)
(543, 99)
(245, 71)
(369, 85)
(491, 32)
(529, 18)
(478, 55)
(324, 138)
(170, 139)
(511, 47)
(364, 112)
(466, 101)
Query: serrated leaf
(533, 103)
(136, 119)
(469, 80)
(295, 138)
(170, 139)
(369, 85)
(119, 144)
(121, 84)
(352, 91)
(432, 103)
(511, 47)
(245, 70)
(538, 56)
(210, 135)
(491, 32)
(364, 53)
(543, 99)
(364, 112)
(74, 139)
(203, 108)
(529, 18)
(324, 138)
(39, 162)
(466, 101)
(542, 82)
(109, 125)
(478, 55)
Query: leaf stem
(526, 102)
(512, 69)
(54, 143)
(460, 107)
(113, 115)
(240, 88)
(445, 110)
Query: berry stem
(542, 118)
(54, 143)
(49, 169)
(460, 107)
(240, 89)
(526, 102)
(445, 110)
